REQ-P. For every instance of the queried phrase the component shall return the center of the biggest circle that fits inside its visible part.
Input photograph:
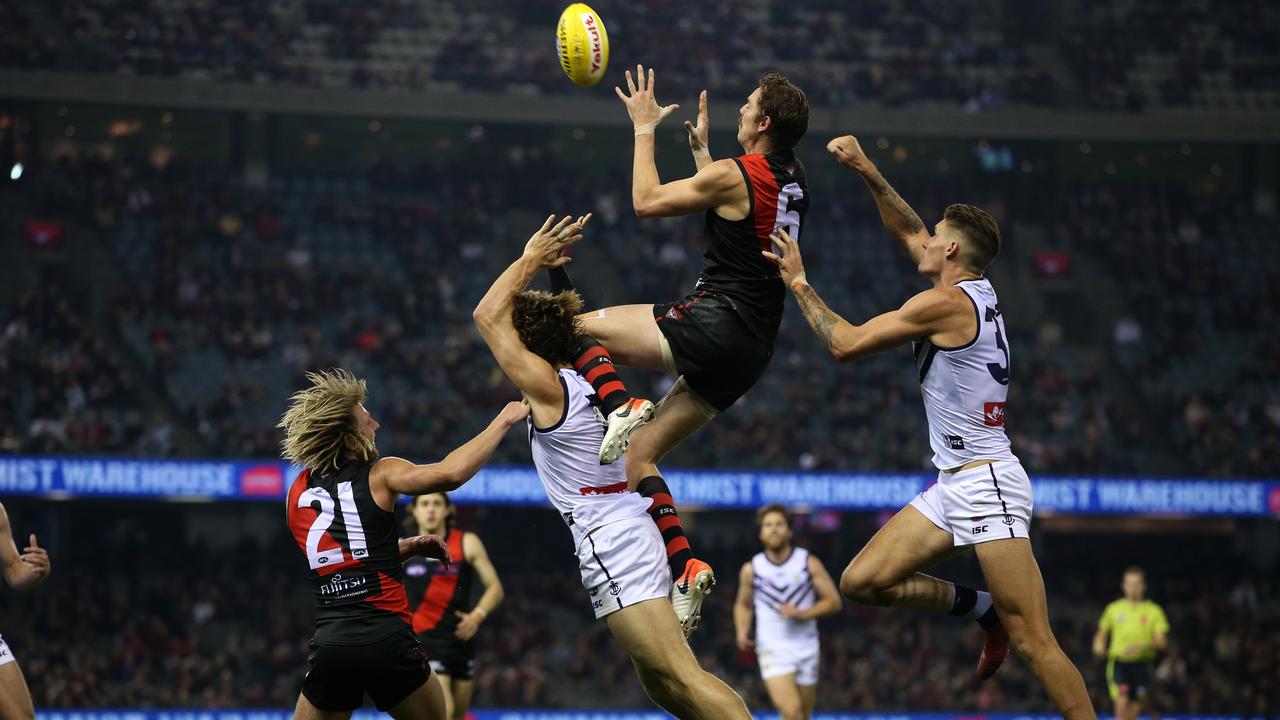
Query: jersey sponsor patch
(993, 414)
(343, 588)
(955, 442)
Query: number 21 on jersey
(356, 542)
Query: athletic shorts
(450, 656)
(623, 563)
(802, 660)
(713, 349)
(1128, 679)
(988, 502)
(389, 670)
(6, 655)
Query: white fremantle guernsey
(775, 585)
(567, 458)
(965, 388)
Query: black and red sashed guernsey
(733, 265)
(352, 547)
(442, 593)
(721, 336)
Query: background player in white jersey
(983, 496)
(534, 336)
(22, 571)
(786, 589)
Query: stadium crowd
(189, 624)
(233, 291)
(974, 54)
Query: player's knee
(864, 587)
(1031, 638)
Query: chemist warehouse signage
(103, 477)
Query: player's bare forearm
(491, 599)
(496, 304)
(826, 324)
(463, 463)
(900, 220)
(644, 173)
(702, 159)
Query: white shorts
(6, 655)
(623, 563)
(787, 659)
(989, 502)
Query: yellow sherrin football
(582, 44)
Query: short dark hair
(548, 324)
(787, 106)
(981, 230)
(1136, 570)
(773, 508)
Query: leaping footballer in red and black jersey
(718, 339)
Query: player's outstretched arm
(26, 570)
(715, 183)
(932, 311)
(477, 557)
(901, 222)
(393, 476)
(533, 375)
(743, 609)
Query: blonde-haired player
(341, 513)
(1138, 630)
(786, 589)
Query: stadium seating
(237, 290)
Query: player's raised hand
(790, 264)
(849, 152)
(698, 133)
(641, 106)
(38, 561)
(549, 242)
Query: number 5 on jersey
(355, 544)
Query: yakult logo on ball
(597, 51)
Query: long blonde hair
(320, 429)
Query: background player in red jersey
(719, 339)
(443, 616)
(340, 510)
(22, 571)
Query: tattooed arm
(933, 312)
(902, 223)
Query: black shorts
(713, 349)
(389, 670)
(1131, 680)
(450, 656)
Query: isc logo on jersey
(582, 45)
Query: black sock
(662, 509)
(594, 364)
(975, 604)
